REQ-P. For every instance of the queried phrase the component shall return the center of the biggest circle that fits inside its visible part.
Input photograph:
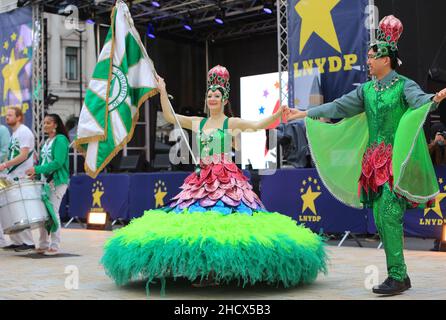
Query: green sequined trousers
(388, 211)
(384, 109)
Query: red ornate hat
(391, 29)
(218, 77)
(389, 32)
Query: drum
(21, 206)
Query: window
(71, 63)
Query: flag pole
(182, 132)
(138, 39)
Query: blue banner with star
(303, 197)
(153, 190)
(107, 193)
(327, 46)
(424, 223)
(16, 62)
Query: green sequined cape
(338, 149)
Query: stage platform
(27, 276)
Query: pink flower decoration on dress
(218, 180)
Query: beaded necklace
(378, 86)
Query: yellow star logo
(440, 180)
(10, 74)
(13, 36)
(316, 17)
(159, 198)
(308, 199)
(160, 193)
(6, 45)
(97, 197)
(436, 208)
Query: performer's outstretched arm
(191, 123)
(243, 125)
(346, 106)
(416, 97)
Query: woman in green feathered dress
(216, 229)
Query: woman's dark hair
(227, 108)
(393, 55)
(60, 129)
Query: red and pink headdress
(389, 32)
(218, 77)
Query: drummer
(20, 159)
(54, 168)
(4, 143)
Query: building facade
(71, 57)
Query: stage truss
(38, 83)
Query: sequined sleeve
(346, 106)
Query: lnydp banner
(16, 62)
(327, 43)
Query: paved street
(24, 276)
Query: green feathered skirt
(262, 247)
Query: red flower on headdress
(391, 27)
(219, 75)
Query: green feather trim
(264, 247)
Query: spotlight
(187, 23)
(51, 99)
(268, 7)
(155, 4)
(151, 31)
(98, 220)
(219, 18)
(267, 10)
(187, 26)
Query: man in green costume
(378, 157)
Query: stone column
(90, 52)
(55, 52)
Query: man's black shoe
(391, 286)
(12, 247)
(25, 248)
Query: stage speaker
(131, 163)
(161, 162)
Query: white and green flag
(124, 77)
